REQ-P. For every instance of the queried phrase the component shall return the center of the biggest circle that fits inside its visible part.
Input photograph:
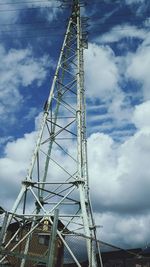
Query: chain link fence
(14, 253)
(111, 256)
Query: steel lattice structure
(57, 179)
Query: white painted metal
(80, 128)
(29, 176)
(73, 188)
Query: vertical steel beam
(82, 182)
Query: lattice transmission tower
(54, 200)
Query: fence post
(2, 232)
(52, 242)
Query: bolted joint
(92, 227)
(78, 182)
(46, 107)
(60, 94)
(28, 183)
(46, 112)
(37, 203)
(52, 136)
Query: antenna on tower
(52, 215)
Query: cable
(24, 24)
(30, 23)
(114, 29)
(44, 26)
(115, 16)
(104, 243)
(31, 36)
(90, 24)
(102, 2)
(27, 8)
(53, 34)
(47, 28)
(22, 30)
(28, 2)
(117, 27)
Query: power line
(114, 28)
(44, 22)
(29, 23)
(52, 27)
(120, 25)
(50, 34)
(28, 2)
(46, 27)
(23, 24)
(131, 15)
(22, 30)
(89, 23)
(31, 36)
(27, 8)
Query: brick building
(38, 248)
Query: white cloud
(134, 1)
(4, 140)
(18, 68)
(31, 114)
(7, 16)
(13, 165)
(101, 73)
(138, 67)
(119, 179)
(118, 33)
(141, 116)
(120, 109)
(119, 173)
(50, 13)
(124, 231)
(25, 146)
(10, 12)
(116, 169)
(119, 182)
(21, 67)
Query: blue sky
(117, 82)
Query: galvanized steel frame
(76, 183)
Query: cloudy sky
(117, 81)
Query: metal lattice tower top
(56, 187)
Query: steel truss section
(57, 178)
